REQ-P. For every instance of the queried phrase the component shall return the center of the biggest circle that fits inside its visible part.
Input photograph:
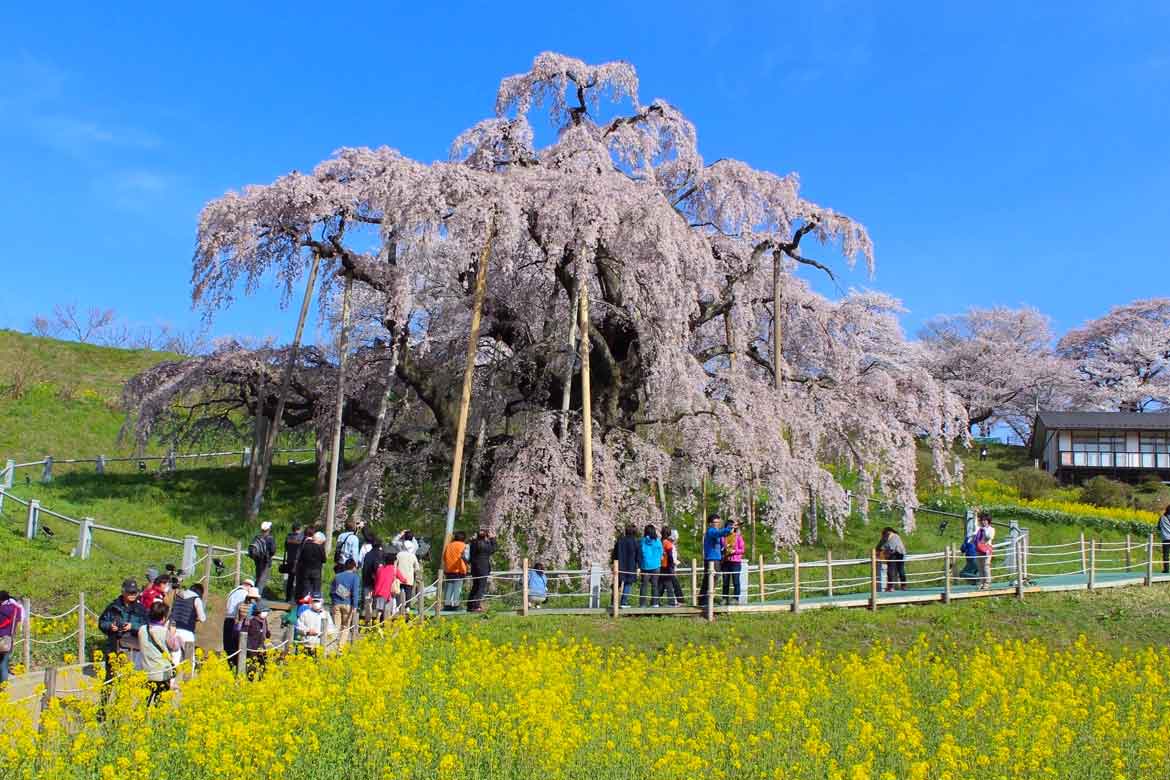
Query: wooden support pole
(26, 623)
(829, 572)
(795, 581)
(207, 574)
(81, 628)
(336, 452)
(616, 589)
(239, 562)
(1018, 548)
(586, 393)
(524, 588)
(1150, 560)
(50, 688)
(948, 568)
(763, 584)
(567, 389)
(1084, 556)
(710, 605)
(468, 375)
(1092, 563)
(694, 583)
(873, 579)
(439, 583)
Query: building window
(1099, 449)
(1155, 449)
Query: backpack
(339, 554)
(183, 613)
(258, 550)
(341, 592)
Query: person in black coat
(483, 546)
(374, 558)
(310, 559)
(627, 551)
(288, 567)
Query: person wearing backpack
(349, 546)
(344, 597)
(407, 562)
(262, 550)
(650, 562)
(310, 560)
(669, 590)
(187, 612)
(626, 551)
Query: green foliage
(1032, 482)
(1102, 491)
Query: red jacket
(384, 580)
(151, 595)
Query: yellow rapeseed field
(438, 702)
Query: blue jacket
(712, 550)
(537, 583)
(351, 580)
(651, 553)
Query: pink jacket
(384, 580)
(733, 548)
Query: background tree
(1124, 356)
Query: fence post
(710, 605)
(524, 588)
(9, 473)
(1128, 552)
(47, 473)
(873, 590)
(795, 581)
(190, 553)
(613, 607)
(1019, 549)
(439, 583)
(50, 688)
(1150, 561)
(1084, 556)
(26, 622)
(101, 464)
(207, 574)
(239, 562)
(594, 586)
(948, 567)
(695, 583)
(763, 584)
(189, 655)
(81, 629)
(829, 572)
(242, 655)
(84, 538)
(1092, 563)
(33, 521)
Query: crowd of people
(651, 561)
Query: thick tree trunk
(263, 461)
(566, 391)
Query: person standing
(627, 551)
(369, 570)
(537, 586)
(406, 561)
(187, 612)
(155, 591)
(712, 552)
(387, 583)
(255, 635)
(313, 625)
(1164, 533)
(158, 641)
(345, 596)
(650, 562)
(120, 622)
(349, 545)
(288, 567)
(231, 630)
(668, 587)
(11, 616)
(894, 550)
(262, 550)
(984, 538)
(455, 568)
(732, 562)
(483, 546)
(310, 560)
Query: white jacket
(311, 620)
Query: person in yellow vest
(455, 568)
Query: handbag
(5, 644)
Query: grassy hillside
(61, 398)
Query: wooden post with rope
(694, 583)
(479, 293)
(873, 580)
(207, 573)
(948, 568)
(524, 588)
(81, 628)
(1128, 552)
(710, 605)
(1150, 560)
(829, 572)
(1092, 564)
(1084, 556)
(763, 586)
(616, 589)
(795, 581)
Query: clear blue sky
(1000, 153)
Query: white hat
(319, 538)
(252, 593)
(248, 583)
(265, 526)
